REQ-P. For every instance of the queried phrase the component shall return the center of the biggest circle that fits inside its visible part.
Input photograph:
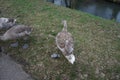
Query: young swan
(6, 23)
(65, 43)
(15, 32)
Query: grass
(97, 42)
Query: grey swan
(16, 32)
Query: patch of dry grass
(97, 42)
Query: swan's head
(64, 22)
(71, 58)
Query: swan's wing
(20, 28)
(69, 46)
(60, 41)
(64, 42)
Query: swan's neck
(65, 25)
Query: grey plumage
(6, 23)
(15, 32)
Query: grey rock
(55, 55)
(14, 44)
(25, 46)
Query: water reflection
(102, 9)
(96, 7)
(118, 17)
(58, 2)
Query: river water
(99, 8)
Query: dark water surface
(100, 8)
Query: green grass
(97, 42)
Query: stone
(14, 44)
(25, 46)
(55, 55)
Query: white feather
(71, 58)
